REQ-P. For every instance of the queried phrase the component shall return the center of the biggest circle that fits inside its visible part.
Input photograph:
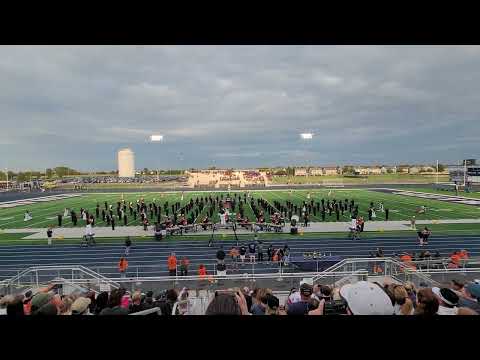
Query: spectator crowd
(361, 298)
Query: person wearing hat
(366, 298)
(48, 309)
(472, 290)
(40, 299)
(468, 295)
(447, 299)
(301, 307)
(81, 306)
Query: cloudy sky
(237, 106)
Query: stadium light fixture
(306, 136)
(156, 138)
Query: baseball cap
(474, 289)
(306, 289)
(81, 304)
(41, 299)
(446, 295)
(366, 298)
(48, 309)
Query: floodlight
(306, 136)
(154, 138)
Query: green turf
(401, 207)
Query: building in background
(301, 171)
(332, 170)
(316, 171)
(126, 163)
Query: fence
(38, 276)
(392, 268)
(70, 275)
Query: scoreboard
(457, 173)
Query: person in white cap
(81, 306)
(366, 298)
(448, 301)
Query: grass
(401, 207)
(371, 179)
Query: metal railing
(211, 283)
(155, 310)
(74, 275)
(359, 267)
(380, 266)
(141, 271)
(69, 287)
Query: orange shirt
(406, 258)
(172, 262)
(122, 265)
(234, 253)
(463, 255)
(202, 272)
(455, 258)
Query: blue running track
(149, 258)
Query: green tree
(61, 171)
(49, 173)
(290, 171)
(347, 169)
(441, 168)
(21, 177)
(3, 176)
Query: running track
(149, 258)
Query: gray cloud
(237, 105)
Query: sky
(237, 106)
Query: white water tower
(126, 163)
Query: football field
(400, 207)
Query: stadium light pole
(306, 137)
(153, 139)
